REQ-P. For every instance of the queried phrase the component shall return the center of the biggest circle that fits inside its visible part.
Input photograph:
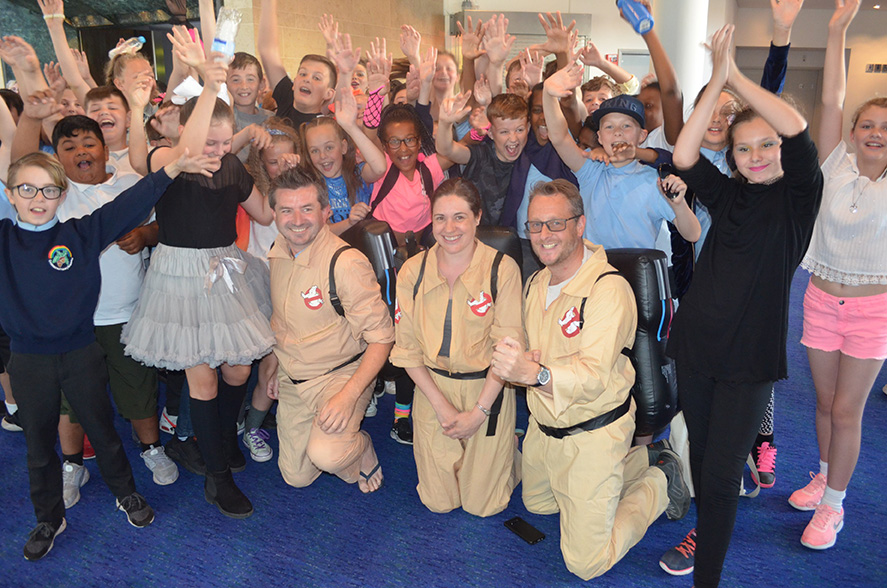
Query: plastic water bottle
(637, 14)
(226, 29)
(131, 45)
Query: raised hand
(379, 66)
(18, 53)
(53, 73)
(564, 81)
(454, 109)
(344, 56)
(591, 56)
(138, 93)
(558, 35)
(410, 41)
(186, 49)
(215, 72)
(52, 7)
(82, 63)
(532, 67)
(193, 164)
(414, 84)
(497, 41)
(785, 12)
(720, 55)
(40, 105)
(845, 11)
(471, 39)
(483, 95)
(330, 29)
(427, 66)
(166, 121)
(346, 108)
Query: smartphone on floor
(525, 530)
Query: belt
(338, 367)
(589, 425)
(493, 419)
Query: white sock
(823, 468)
(833, 498)
(10, 407)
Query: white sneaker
(165, 471)
(254, 439)
(168, 422)
(73, 478)
(390, 388)
(372, 410)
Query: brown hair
(350, 172)
(599, 82)
(879, 101)
(114, 68)
(293, 179)
(745, 114)
(280, 131)
(464, 189)
(44, 161)
(243, 60)
(103, 93)
(563, 188)
(221, 112)
(508, 106)
(334, 76)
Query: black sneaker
(402, 431)
(41, 539)
(186, 454)
(654, 449)
(680, 559)
(138, 512)
(11, 423)
(678, 493)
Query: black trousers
(83, 376)
(723, 419)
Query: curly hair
(280, 133)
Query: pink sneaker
(809, 497)
(823, 528)
(766, 464)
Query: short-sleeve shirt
(407, 207)
(283, 95)
(243, 120)
(337, 191)
(491, 176)
(623, 205)
(199, 212)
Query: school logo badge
(397, 314)
(570, 322)
(60, 258)
(482, 304)
(313, 298)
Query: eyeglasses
(410, 141)
(554, 225)
(27, 191)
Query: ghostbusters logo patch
(313, 299)
(397, 313)
(60, 258)
(569, 323)
(481, 306)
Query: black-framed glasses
(555, 225)
(410, 141)
(27, 191)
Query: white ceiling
(811, 4)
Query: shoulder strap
(530, 281)
(387, 185)
(334, 296)
(421, 274)
(585, 299)
(494, 275)
(427, 180)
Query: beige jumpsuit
(479, 473)
(606, 493)
(312, 339)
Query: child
(625, 201)
(728, 336)
(205, 303)
(108, 106)
(54, 348)
(304, 98)
(845, 307)
(246, 82)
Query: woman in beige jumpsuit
(450, 312)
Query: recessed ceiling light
(877, 7)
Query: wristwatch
(544, 375)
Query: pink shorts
(854, 326)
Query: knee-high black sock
(230, 400)
(404, 390)
(207, 427)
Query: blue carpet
(331, 535)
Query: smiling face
(651, 98)
(359, 78)
(326, 150)
(593, 100)
(404, 157)
(453, 223)
(299, 216)
(271, 156)
(509, 136)
(537, 118)
(111, 114)
(312, 87)
(445, 73)
(69, 103)
(38, 210)
(84, 157)
(756, 151)
(617, 128)
(219, 138)
(715, 137)
(555, 248)
(245, 85)
(869, 135)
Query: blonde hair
(879, 101)
(44, 161)
(114, 68)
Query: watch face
(544, 376)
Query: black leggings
(723, 419)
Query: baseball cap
(622, 104)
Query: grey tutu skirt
(201, 306)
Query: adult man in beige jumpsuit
(577, 456)
(327, 362)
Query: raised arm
(346, 116)
(207, 13)
(452, 110)
(592, 57)
(834, 78)
(54, 15)
(470, 40)
(562, 84)
(686, 149)
(784, 14)
(497, 43)
(269, 45)
(137, 96)
(7, 135)
(410, 44)
(37, 107)
(24, 63)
